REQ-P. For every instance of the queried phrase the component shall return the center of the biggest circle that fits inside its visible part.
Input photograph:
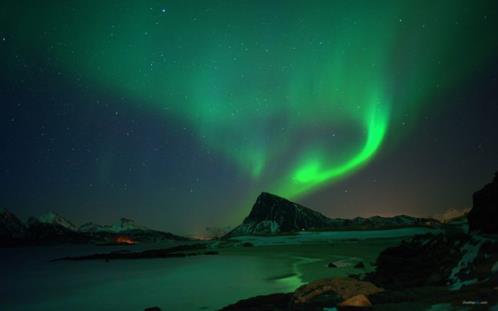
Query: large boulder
(357, 303)
(330, 293)
(342, 293)
(484, 214)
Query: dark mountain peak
(269, 196)
(273, 214)
(267, 205)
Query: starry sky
(179, 113)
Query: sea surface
(30, 281)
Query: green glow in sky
(295, 96)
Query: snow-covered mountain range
(54, 228)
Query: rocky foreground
(454, 270)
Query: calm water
(30, 282)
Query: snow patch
(494, 269)
(470, 250)
(56, 219)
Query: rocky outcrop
(358, 302)
(484, 213)
(455, 261)
(330, 292)
(420, 261)
(342, 293)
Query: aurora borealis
(181, 112)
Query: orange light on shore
(124, 240)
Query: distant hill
(53, 228)
(11, 228)
(272, 214)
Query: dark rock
(420, 261)
(273, 302)
(360, 265)
(332, 265)
(393, 296)
(484, 213)
(318, 303)
(247, 244)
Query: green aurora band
(295, 94)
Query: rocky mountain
(11, 228)
(484, 213)
(272, 214)
(53, 228)
(53, 219)
(129, 228)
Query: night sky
(179, 113)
